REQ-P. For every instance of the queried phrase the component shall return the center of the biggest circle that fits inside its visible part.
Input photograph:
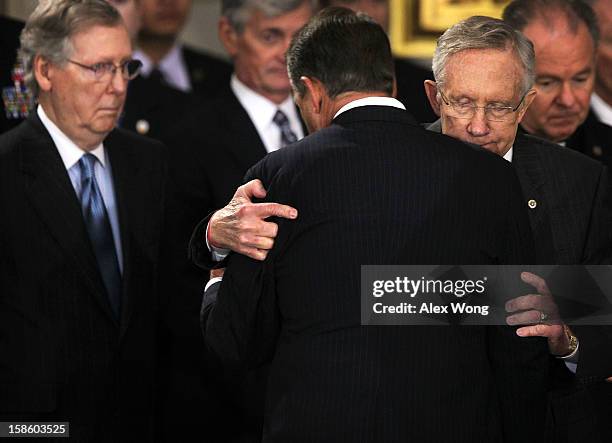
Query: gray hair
(50, 27)
(238, 12)
(479, 32)
(519, 13)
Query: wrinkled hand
(528, 309)
(241, 226)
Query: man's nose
(567, 95)
(478, 124)
(118, 83)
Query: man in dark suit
(565, 35)
(173, 63)
(234, 131)
(373, 188)
(82, 215)
(408, 74)
(483, 63)
(9, 43)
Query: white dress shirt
(71, 154)
(261, 111)
(172, 66)
(602, 110)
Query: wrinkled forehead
(484, 75)
(101, 42)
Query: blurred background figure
(167, 60)
(408, 75)
(130, 12)
(252, 114)
(152, 106)
(10, 113)
(601, 101)
(565, 35)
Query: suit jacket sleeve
(241, 324)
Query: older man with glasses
(82, 215)
(484, 72)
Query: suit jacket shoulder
(568, 199)
(208, 74)
(594, 139)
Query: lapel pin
(532, 204)
(142, 127)
(597, 151)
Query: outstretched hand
(241, 225)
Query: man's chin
(561, 133)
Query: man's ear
(315, 93)
(431, 90)
(41, 70)
(228, 36)
(526, 102)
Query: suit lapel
(49, 189)
(532, 178)
(130, 186)
(244, 143)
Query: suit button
(142, 127)
(532, 204)
(597, 151)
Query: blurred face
(565, 76)
(164, 18)
(259, 50)
(485, 78)
(377, 9)
(130, 11)
(603, 81)
(84, 108)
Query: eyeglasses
(492, 113)
(104, 71)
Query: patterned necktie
(99, 230)
(287, 135)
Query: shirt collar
(602, 110)
(260, 109)
(371, 101)
(173, 67)
(508, 155)
(68, 150)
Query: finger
(254, 253)
(265, 210)
(524, 302)
(254, 188)
(609, 379)
(266, 229)
(537, 331)
(536, 281)
(524, 318)
(253, 241)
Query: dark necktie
(100, 233)
(157, 77)
(287, 135)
